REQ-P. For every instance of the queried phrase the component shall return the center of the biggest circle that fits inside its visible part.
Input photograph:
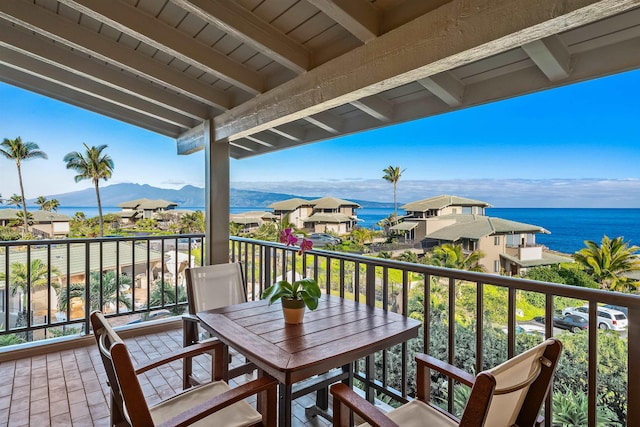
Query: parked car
(607, 318)
(323, 239)
(625, 310)
(571, 322)
(527, 329)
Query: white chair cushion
(419, 414)
(237, 415)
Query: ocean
(569, 227)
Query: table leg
(285, 396)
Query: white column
(216, 197)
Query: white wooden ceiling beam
(326, 121)
(588, 65)
(551, 56)
(19, 78)
(360, 17)
(376, 107)
(40, 20)
(288, 131)
(58, 56)
(259, 140)
(446, 87)
(149, 30)
(455, 34)
(64, 78)
(238, 22)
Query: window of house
(496, 240)
(2, 296)
(454, 210)
(513, 240)
(496, 266)
(466, 210)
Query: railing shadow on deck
(473, 320)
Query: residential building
(45, 224)
(508, 246)
(319, 215)
(252, 220)
(296, 210)
(135, 210)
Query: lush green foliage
(608, 262)
(570, 409)
(306, 289)
(451, 255)
(569, 275)
(114, 291)
(162, 291)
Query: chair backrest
(121, 372)
(215, 286)
(519, 387)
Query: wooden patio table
(335, 335)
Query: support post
(216, 197)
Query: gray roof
(329, 218)
(478, 226)
(251, 217)
(404, 226)
(441, 202)
(38, 216)
(77, 256)
(547, 259)
(332, 203)
(146, 204)
(289, 204)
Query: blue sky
(576, 146)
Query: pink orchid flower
(305, 246)
(287, 237)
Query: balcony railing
(472, 320)
(49, 287)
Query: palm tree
(23, 280)
(392, 175)
(1, 199)
(18, 151)
(41, 201)
(92, 165)
(451, 255)
(608, 262)
(164, 291)
(20, 219)
(51, 205)
(15, 200)
(109, 295)
(192, 223)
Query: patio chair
(214, 403)
(508, 395)
(210, 287)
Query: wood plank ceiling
(272, 74)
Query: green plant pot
(293, 310)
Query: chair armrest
(221, 401)
(445, 368)
(360, 406)
(193, 350)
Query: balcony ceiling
(272, 74)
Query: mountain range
(187, 196)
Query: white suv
(607, 318)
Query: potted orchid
(297, 295)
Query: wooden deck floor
(69, 388)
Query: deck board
(68, 388)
